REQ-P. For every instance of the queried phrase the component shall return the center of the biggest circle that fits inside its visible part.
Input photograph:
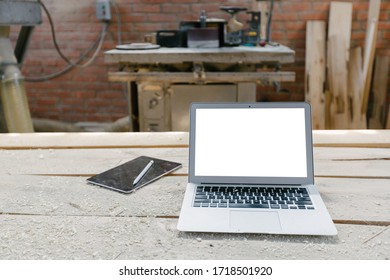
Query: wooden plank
(340, 23)
(351, 154)
(315, 71)
(53, 237)
(338, 83)
(355, 89)
(339, 40)
(388, 119)
(377, 119)
(368, 62)
(356, 199)
(93, 140)
(81, 162)
(352, 138)
(330, 162)
(349, 200)
(373, 15)
(369, 49)
(206, 77)
(321, 138)
(352, 163)
(232, 55)
(73, 196)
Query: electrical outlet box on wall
(103, 11)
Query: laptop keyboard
(253, 197)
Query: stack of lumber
(341, 81)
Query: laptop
(251, 171)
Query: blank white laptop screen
(250, 142)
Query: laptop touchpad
(254, 221)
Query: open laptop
(251, 171)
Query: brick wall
(85, 95)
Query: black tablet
(134, 174)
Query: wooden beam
(355, 88)
(378, 115)
(12, 141)
(373, 11)
(208, 77)
(340, 22)
(388, 119)
(231, 55)
(27, 141)
(315, 71)
(339, 40)
(368, 63)
(369, 49)
(338, 83)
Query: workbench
(153, 75)
(213, 64)
(49, 211)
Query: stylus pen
(143, 172)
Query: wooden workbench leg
(246, 92)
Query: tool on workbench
(202, 19)
(218, 24)
(251, 36)
(169, 38)
(265, 7)
(203, 36)
(234, 28)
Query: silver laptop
(251, 171)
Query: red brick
(362, 15)
(360, 6)
(357, 26)
(384, 25)
(210, 6)
(162, 18)
(47, 101)
(154, 1)
(143, 8)
(278, 35)
(358, 35)
(182, 1)
(290, 6)
(178, 8)
(313, 16)
(299, 25)
(321, 6)
(285, 17)
(129, 19)
(293, 35)
(382, 44)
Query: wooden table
(48, 211)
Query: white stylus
(143, 172)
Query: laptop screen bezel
(252, 180)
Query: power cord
(71, 65)
(119, 21)
(53, 33)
